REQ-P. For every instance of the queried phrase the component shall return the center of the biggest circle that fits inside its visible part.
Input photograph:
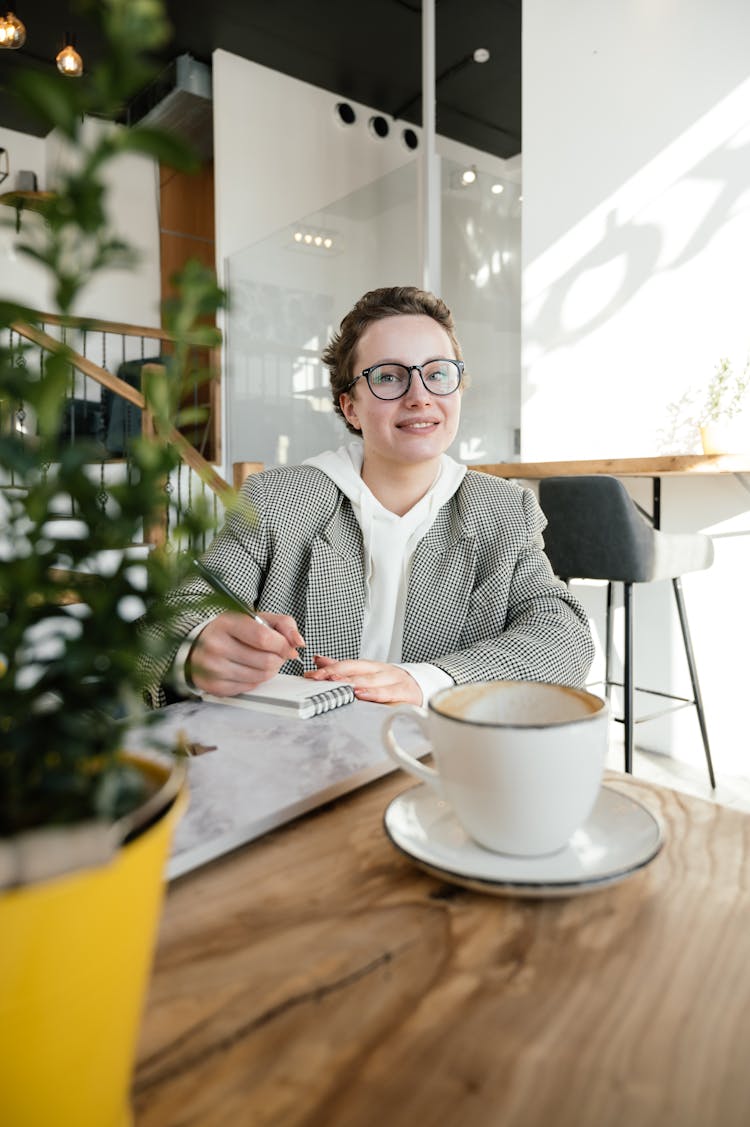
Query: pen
(221, 588)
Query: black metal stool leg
(627, 589)
(608, 644)
(698, 699)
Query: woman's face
(419, 426)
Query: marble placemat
(255, 771)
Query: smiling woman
(383, 563)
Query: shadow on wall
(637, 300)
(632, 252)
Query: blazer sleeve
(239, 553)
(544, 634)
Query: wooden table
(657, 466)
(317, 977)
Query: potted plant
(84, 828)
(723, 419)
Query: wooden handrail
(240, 471)
(82, 363)
(94, 324)
(188, 453)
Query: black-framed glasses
(390, 381)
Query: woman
(386, 564)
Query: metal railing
(108, 409)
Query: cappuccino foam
(516, 703)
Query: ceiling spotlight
(345, 114)
(12, 32)
(328, 243)
(497, 189)
(468, 176)
(308, 239)
(69, 62)
(318, 240)
(298, 236)
(481, 55)
(379, 127)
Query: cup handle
(404, 758)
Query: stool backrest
(595, 530)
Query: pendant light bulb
(69, 62)
(12, 32)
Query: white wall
(21, 279)
(636, 275)
(636, 224)
(123, 295)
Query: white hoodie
(389, 544)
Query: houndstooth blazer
(482, 601)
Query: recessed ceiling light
(379, 127)
(345, 114)
(468, 176)
(497, 189)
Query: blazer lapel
(442, 579)
(335, 590)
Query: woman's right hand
(234, 653)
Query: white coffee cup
(519, 762)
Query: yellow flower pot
(75, 956)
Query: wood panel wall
(186, 231)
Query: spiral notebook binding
(332, 698)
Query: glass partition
(481, 282)
(290, 290)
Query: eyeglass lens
(391, 381)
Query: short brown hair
(389, 301)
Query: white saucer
(619, 837)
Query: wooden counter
(662, 466)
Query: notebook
(289, 695)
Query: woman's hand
(372, 680)
(234, 653)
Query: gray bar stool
(596, 531)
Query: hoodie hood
(344, 468)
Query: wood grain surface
(317, 977)
(664, 465)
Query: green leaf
(63, 713)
